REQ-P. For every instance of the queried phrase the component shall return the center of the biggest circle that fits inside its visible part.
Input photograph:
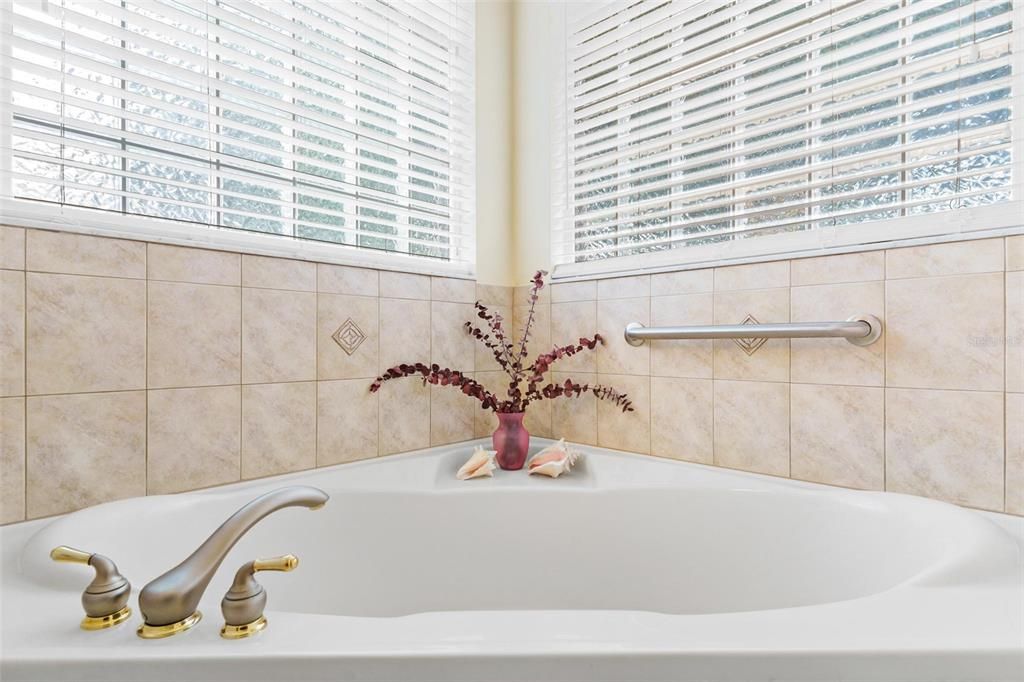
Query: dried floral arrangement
(526, 381)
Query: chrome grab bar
(860, 330)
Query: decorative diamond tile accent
(349, 336)
(752, 345)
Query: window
(701, 131)
(291, 122)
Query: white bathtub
(631, 568)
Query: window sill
(140, 228)
(962, 225)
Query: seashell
(554, 460)
(480, 464)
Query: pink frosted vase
(511, 440)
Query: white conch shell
(480, 464)
(554, 460)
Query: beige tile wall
(129, 368)
(935, 408)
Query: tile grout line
(380, 369)
(145, 365)
(714, 381)
(24, 381)
(885, 375)
(789, 378)
(241, 371)
(1006, 361)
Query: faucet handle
(243, 604)
(286, 562)
(105, 599)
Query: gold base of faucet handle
(147, 631)
(247, 630)
(104, 622)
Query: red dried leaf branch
(511, 358)
(571, 389)
(441, 377)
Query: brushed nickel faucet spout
(168, 603)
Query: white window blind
(300, 121)
(693, 131)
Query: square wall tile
(265, 272)
(342, 279)
(954, 258)
(279, 335)
(624, 287)
(565, 292)
(452, 290)
(838, 435)
(346, 422)
(1015, 453)
(538, 419)
(769, 362)
(450, 345)
(85, 334)
(1015, 253)
(947, 445)
(485, 359)
(404, 416)
(12, 248)
(12, 460)
(769, 275)
(864, 266)
(84, 449)
(197, 266)
(945, 332)
(1015, 332)
(278, 428)
(347, 337)
(837, 361)
(521, 294)
(485, 422)
(194, 438)
(752, 426)
(494, 295)
(80, 254)
(616, 356)
(575, 419)
(195, 335)
(683, 282)
(452, 415)
(540, 331)
(404, 332)
(620, 430)
(682, 419)
(570, 322)
(404, 285)
(692, 358)
(12, 332)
